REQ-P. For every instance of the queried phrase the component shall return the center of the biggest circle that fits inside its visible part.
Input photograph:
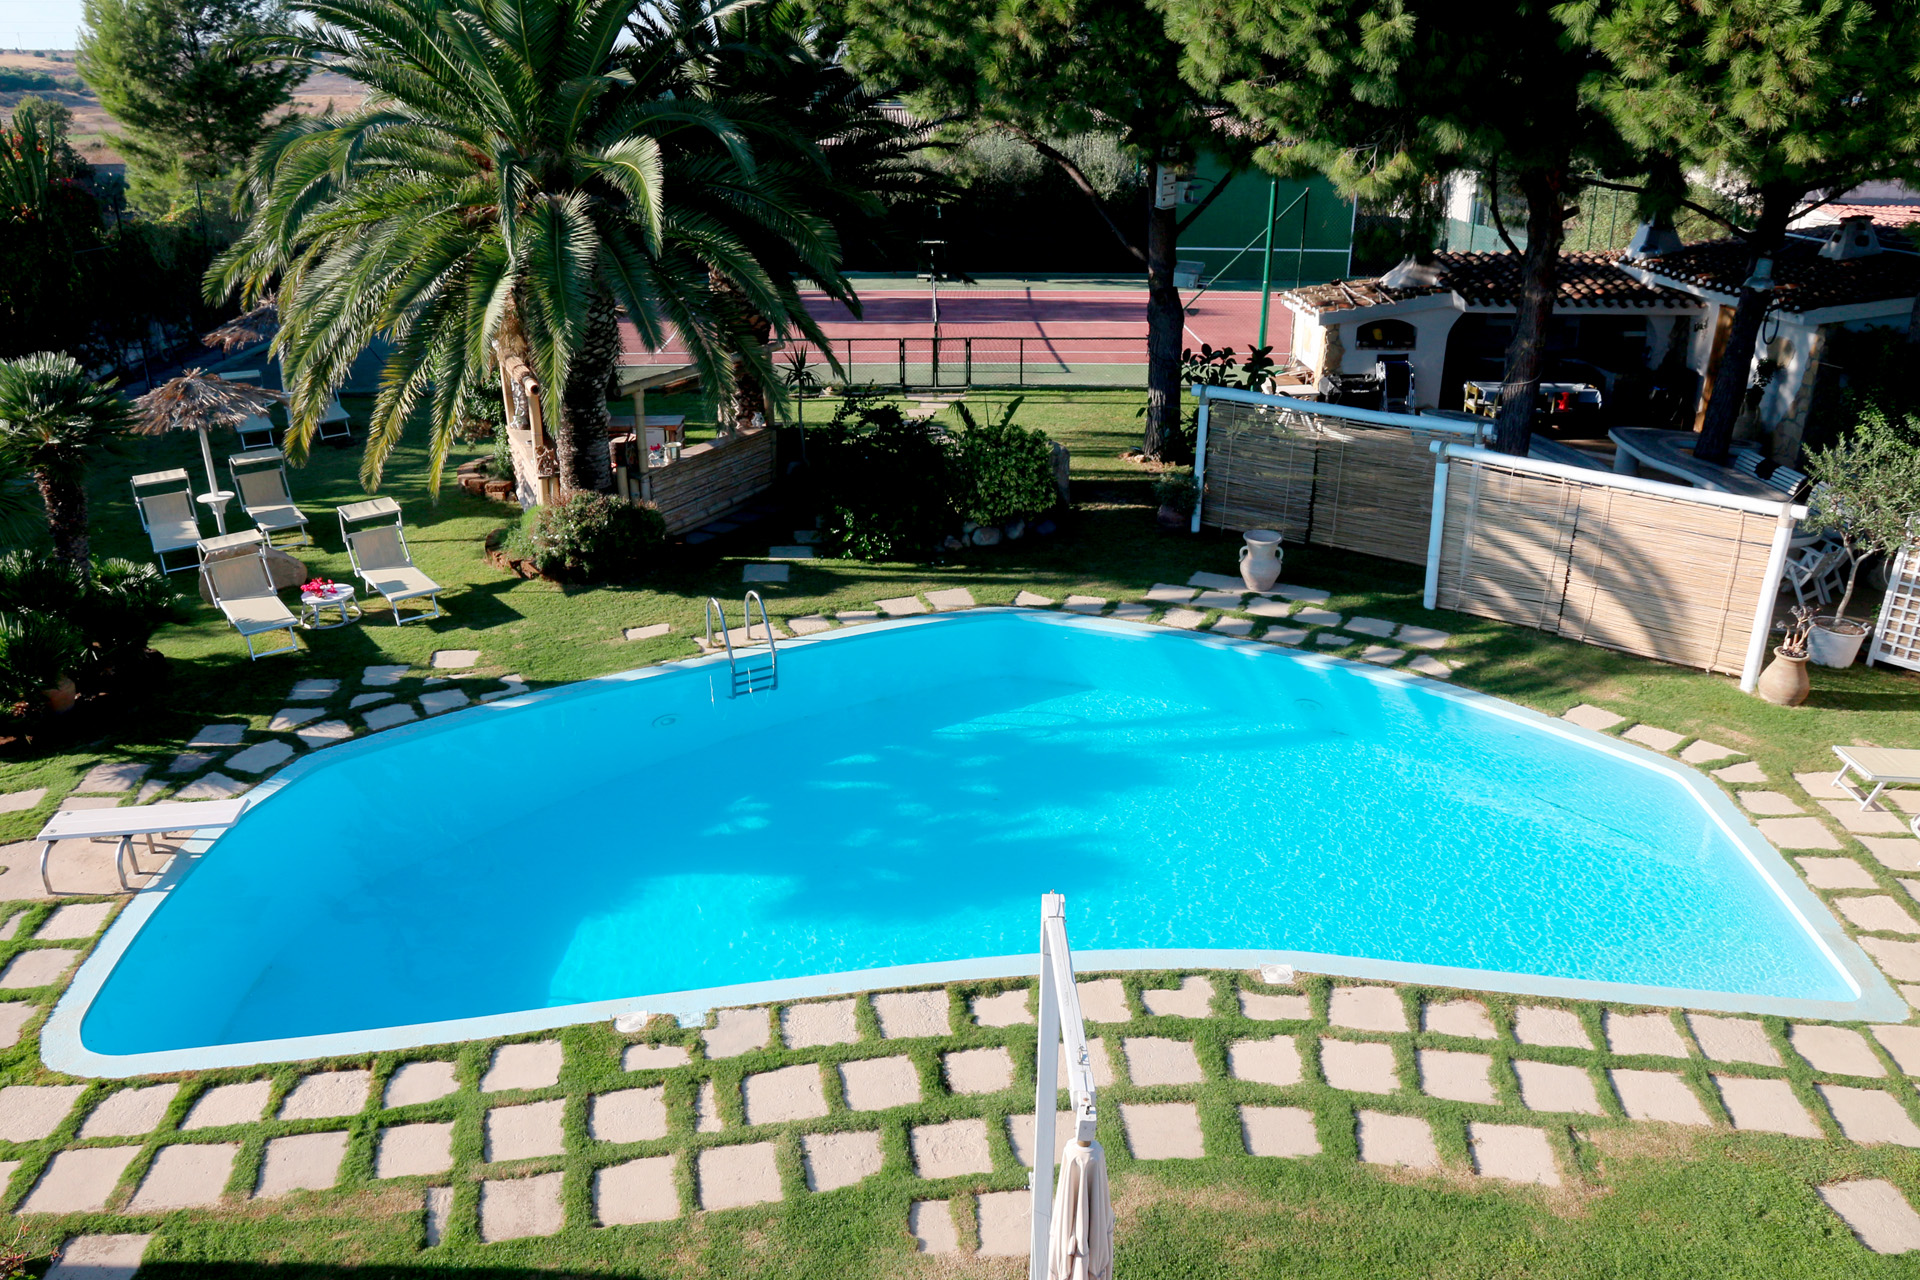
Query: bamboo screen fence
(1314, 477)
(1659, 574)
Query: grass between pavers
(1642, 1200)
(1638, 1199)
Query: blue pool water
(903, 798)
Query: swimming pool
(890, 814)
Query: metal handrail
(746, 616)
(713, 607)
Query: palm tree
(53, 419)
(510, 186)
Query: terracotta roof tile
(1493, 280)
(1803, 280)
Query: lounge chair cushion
(385, 565)
(276, 517)
(400, 584)
(244, 591)
(171, 525)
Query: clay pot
(1833, 643)
(1784, 682)
(61, 697)
(1260, 560)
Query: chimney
(1853, 237)
(1651, 239)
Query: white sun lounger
(164, 500)
(128, 821)
(260, 478)
(381, 559)
(242, 587)
(1882, 767)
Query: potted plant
(1784, 683)
(1177, 493)
(1866, 493)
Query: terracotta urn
(1784, 682)
(1260, 560)
(61, 697)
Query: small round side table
(337, 597)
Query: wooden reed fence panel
(1662, 577)
(1374, 490)
(1259, 472)
(1505, 543)
(1666, 578)
(709, 480)
(1315, 478)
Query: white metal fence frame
(1786, 513)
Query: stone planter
(1260, 560)
(1784, 682)
(1835, 643)
(1172, 519)
(500, 490)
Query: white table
(338, 597)
(217, 503)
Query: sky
(38, 24)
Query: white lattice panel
(1896, 638)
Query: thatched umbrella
(199, 400)
(247, 330)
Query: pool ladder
(746, 678)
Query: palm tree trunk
(745, 328)
(585, 464)
(66, 502)
(1540, 281)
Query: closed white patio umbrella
(1072, 1231)
(1081, 1245)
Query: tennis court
(1001, 334)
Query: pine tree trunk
(586, 464)
(66, 502)
(1166, 318)
(1736, 360)
(1540, 281)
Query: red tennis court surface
(1049, 332)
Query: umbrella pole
(1046, 1095)
(213, 481)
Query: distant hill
(50, 74)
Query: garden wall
(1339, 477)
(1660, 570)
(709, 480)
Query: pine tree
(1781, 100)
(1385, 96)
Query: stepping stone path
(1540, 1025)
(1006, 1223)
(805, 1026)
(41, 968)
(20, 801)
(1183, 619)
(1766, 802)
(1836, 873)
(1745, 771)
(515, 1208)
(29, 1113)
(1406, 1141)
(1085, 604)
(790, 1093)
(69, 923)
(526, 1131)
(628, 1115)
(1704, 752)
(416, 1082)
(79, 1181)
(1462, 1077)
(1548, 1086)
(1587, 716)
(791, 552)
(99, 1257)
(950, 1149)
(229, 1104)
(218, 735)
(1379, 628)
(1275, 1061)
(1869, 1115)
(1265, 1008)
(1154, 1060)
(1382, 655)
(1217, 582)
(1163, 1130)
(1367, 1009)
(1020, 1136)
(876, 1084)
(1877, 1214)
(1170, 593)
(191, 762)
(638, 1191)
(856, 615)
(901, 606)
(1359, 1066)
(655, 1057)
(930, 1223)
(313, 690)
(732, 1177)
(454, 659)
(114, 776)
(1798, 833)
(185, 1176)
(1652, 736)
(763, 573)
(1263, 608)
(737, 1031)
(368, 700)
(1835, 1050)
(212, 786)
(1765, 1106)
(524, 1066)
(328, 1094)
(1283, 635)
(653, 631)
(375, 677)
(1733, 1040)
(809, 625)
(413, 1150)
(1219, 599)
(1903, 1045)
(130, 1113)
(1193, 998)
(1031, 600)
(1130, 612)
(904, 1014)
(1104, 1000)
(1284, 1132)
(1513, 1152)
(301, 1162)
(261, 756)
(1657, 1095)
(443, 700)
(1648, 1033)
(325, 734)
(1008, 1009)
(953, 598)
(1240, 628)
(976, 1071)
(1316, 618)
(387, 717)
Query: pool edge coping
(1876, 1000)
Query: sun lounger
(381, 559)
(1880, 766)
(242, 587)
(128, 821)
(168, 514)
(260, 478)
(334, 423)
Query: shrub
(115, 613)
(1005, 471)
(886, 482)
(36, 650)
(500, 458)
(1175, 488)
(590, 537)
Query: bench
(128, 821)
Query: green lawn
(1638, 1201)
